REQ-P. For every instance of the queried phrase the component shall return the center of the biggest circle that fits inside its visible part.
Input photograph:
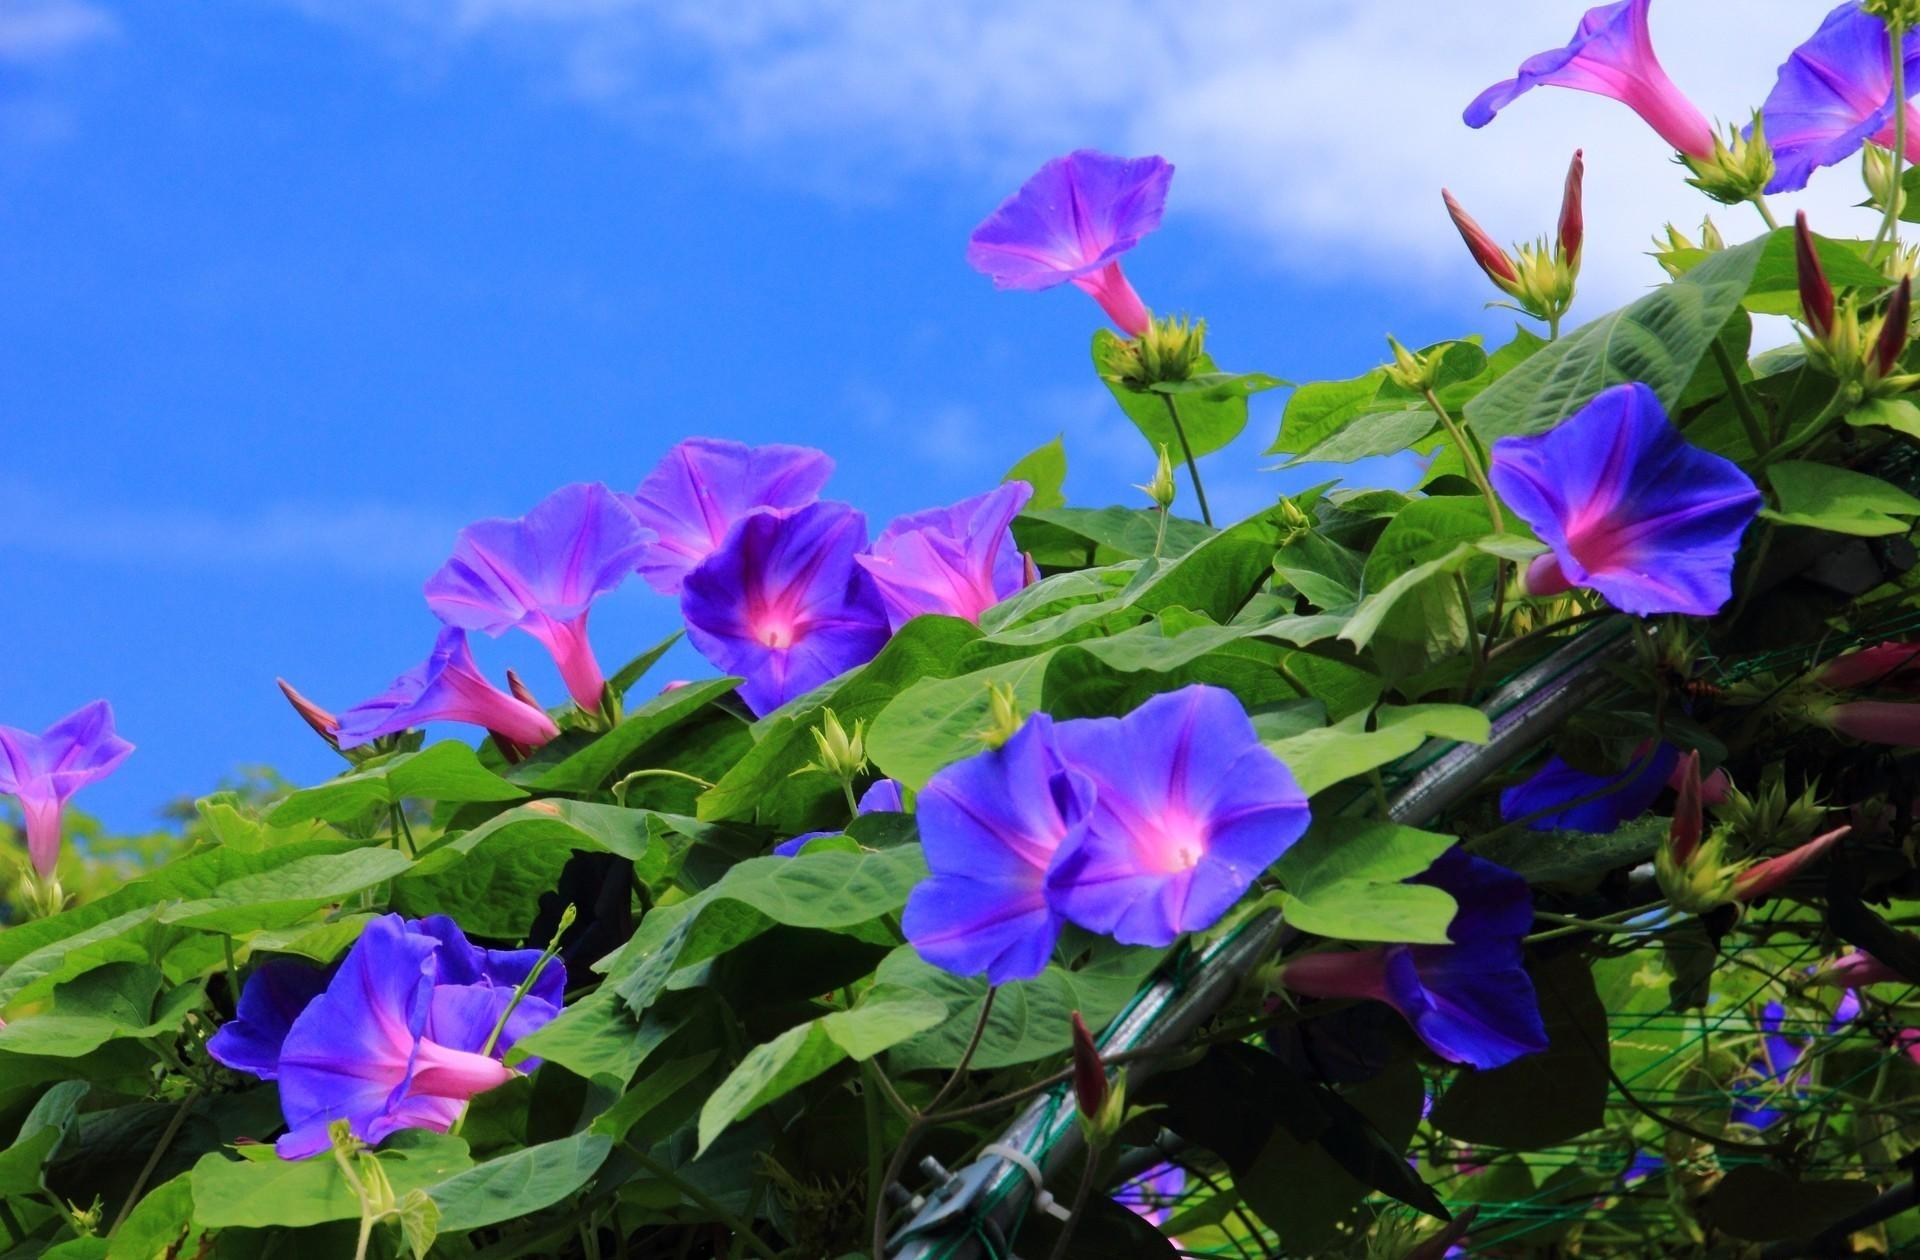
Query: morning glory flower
(881, 797)
(1628, 506)
(1471, 1001)
(273, 997)
(541, 573)
(954, 561)
(1778, 1057)
(42, 771)
(449, 687)
(1070, 223)
(1834, 93)
(992, 827)
(693, 496)
(1153, 1194)
(1610, 55)
(1189, 808)
(1577, 801)
(782, 603)
(397, 1038)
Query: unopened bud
(1895, 328)
(1485, 250)
(1294, 522)
(1003, 715)
(1683, 837)
(843, 753)
(1172, 348)
(1816, 294)
(1710, 238)
(1089, 1074)
(1700, 882)
(324, 724)
(1162, 488)
(1851, 971)
(522, 692)
(1029, 571)
(1874, 721)
(1904, 12)
(1877, 172)
(1739, 168)
(1764, 878)
(1891, 663)
(1573, 224)
(1415, 373)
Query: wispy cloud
(38, 30)
(360, 540)
(1321, 129)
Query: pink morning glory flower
(694, 496)
(1189, 808)
(1628, 506)
(1610, 55)
(1471, 1001)
(1070, 223)
(782, 604)
(396, 1038)
(1834, 93)
(448, 687)
(42, 771)
(541, 573)
(991, 827)
(954, 561)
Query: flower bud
(1415, 373)
(1170, 349)
(1764, 878)
(1695, 877)
(1089, 1074)
(1816, 295)
(324, 724)
(1891, 663)
(1877, 172)
(522, 692)
(1874, 722)
(1852, 971)
(1573, 224)
(1768, 818)
(1895, 328)
(1003, 715)
(1029, 571)
(1162, 488)
(1710, 238)
(843, 753)
(1739, 168)
(1905, 12)
(1683, 837)
(1492, 258)
(1294, 522)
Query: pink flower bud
(1089, 1074)
(1763, 878)
(1853, 970)
(1892, 340)
(1872, 666)
(1816, 295)
(522, 692)
(324, 724)
(1573, 223)
(1683, 837)
(1877, 722)
(1492, 259)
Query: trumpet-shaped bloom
(782, 603)
(1574, 800)
(44, 770)
(1894, 665)
(955, 561)
(1189, 808)
(992, 827)
(541, 573)
(1834, 93)
(693, 497)
(1472, 1001)
(1628, 506)
(1762, 1106)
(1070, 223)
(1610, 55)
(398, 1037)
(273, 998)
(449, 687)
(881, 797)
(1856, 969)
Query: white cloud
(362, 539)
(1322, 129)
(37, 30)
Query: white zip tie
(1042, 1197)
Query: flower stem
(1760, 203)
(1889, 232)
(1749, 418)
(1080, 1194)
(1186, 450)
(1470, 457)
(1553, 326)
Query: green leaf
(1031, 1019)
(1343, 880)
(518, 1184)
(257, 1193)
(660, 1085)
(1658, 340)
(41, 1136)
(1319, 411)
(598, 1036)
(591, 767)
(1838, 500)
(1322, 570)
(1547, 1098)
(634, 670)
(937, 721)
(284, 895)
(447, 771)
(1045, 469)
(1116, 533)
(1321, 758)
(1887, 413)
(160, 1226)
(121, 999)
(1775, 289)
(1369, 434)
(419, 1222)
(1212, 405)
(885, 1016)
(1425, 530)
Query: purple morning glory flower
(396, 1038)
(449, 687)
(1610, 55)
(1070, 223)
(881, 797)
(273, 998)
(1834, 93)
(541, 573)
(1778, 1058)
(1627, 795)
(1154, 1193)
(1628, 506)
(992, 827)
(954, 561)
(44, 770)
(1189, 808)
(693, 497)
(782, 603)
(1471, 1001)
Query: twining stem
(1843, 399)
(919, 1122)
(1186, 450)
(233, 972)
(1742, 404)
(870, 1104)
(853, 806)
(153, 1159)
(707, 1202)
(1470, 457)
(1889, 233)
(1080, 1195)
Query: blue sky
(292, 291)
